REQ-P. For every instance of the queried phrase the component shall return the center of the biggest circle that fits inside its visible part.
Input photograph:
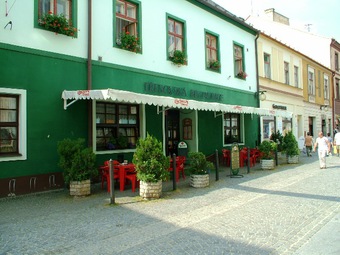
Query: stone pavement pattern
(291, 210)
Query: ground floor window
(268, 126)
(232, 128)
(12, 124)
(117, 126)
(286, 126)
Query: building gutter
(257, 87)
(89, 73)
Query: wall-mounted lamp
(261, 95)
(324, 107)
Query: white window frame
(286, 72)
(326, 86)
(22, 146)
(267, 66)
(311, 81)
(296, 76)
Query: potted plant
(214, 64)
(242, 74)
(178, 57)
(151, 166)
(267, 154)
(291, 148)
(199, 166)
(58, 24)
(278, 138)
(129, 42)
(78, 163)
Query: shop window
(211, 51)
(239, 65)
(232, 128)
(12, 124)
(127, 24)
(117, 126)
(268, 127)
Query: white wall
(154, 37)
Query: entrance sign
(235, 161)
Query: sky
(322, 16)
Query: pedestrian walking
(330, 140)
(309, 144)
(337, 142)
(323, 148)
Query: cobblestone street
(293, 209)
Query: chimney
(277, 17)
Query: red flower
(127, 32)
(50, 12)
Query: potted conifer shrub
(151, 166)
(199, 167)
(291, 148)
(78, 163)
(267, 154)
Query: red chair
(180, 166)
(180, 161)
(244, 158)
(105, 173)
(131, 175)
(226, 157)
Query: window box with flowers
(242, 75)
(57, 24)
(214, 64)
(177, 57)
(129, 42)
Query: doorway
(172, 130)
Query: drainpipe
(89, 73)
(333, 102)
(257, 87)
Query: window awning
(163, 101)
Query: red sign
(182, 102)
(85, 93)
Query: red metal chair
(226, 157)
(131, 175)
(105, 173)
(180, 161)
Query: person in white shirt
(323, 148)
(337, 142)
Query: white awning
(167, 102)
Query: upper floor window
(239, 65)
(336, 61)
(127, 25)
(296, 76)
(117, 126)
(267, 67)
(337, 89)
(326, 86)
(311, 81)
(286, 72)
(58, 16)
(176, 40)
(232, 128)
(211, 51)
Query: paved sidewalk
(293, 209)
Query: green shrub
(198, 163)
(290, 145)
(267, 149)
(150, 162)
(77, 161)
